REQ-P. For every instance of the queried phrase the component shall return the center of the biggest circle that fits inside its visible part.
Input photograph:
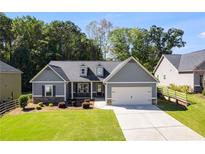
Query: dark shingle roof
(187, 62)
(174, 59)
(5, 68)
(71, 69)
(60, 72)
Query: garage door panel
(131, 95)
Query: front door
(99, 89)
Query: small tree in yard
(23, 101)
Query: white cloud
(202, 35)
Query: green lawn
(74, 125)
(193, 117)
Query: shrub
(86, 105)
(183, 88)
(62, 105)
(50, 104)
(40, 104)
(203, 92)
(23, 101)
(38, 107)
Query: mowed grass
(63, 125)
(193, 117)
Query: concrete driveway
(148, 122)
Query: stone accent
(48, 99)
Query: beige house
(10, 82)
(182, 69)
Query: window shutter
(43, 90)
(54, 90)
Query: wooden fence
(180, 97)
(8, 106)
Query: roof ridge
(202, 50)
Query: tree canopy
(29, 44)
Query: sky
(193, 24)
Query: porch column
(65, 83)
(106, 92)
(91, 90)
(71, 90)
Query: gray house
(119, 83)
(186, 69)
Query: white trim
(65, 91)
(37, 96)
(48, 96)
(43, 70)
(48, 82)
(51, 90)
(91, 90)
(71, 90)
(154, 97)
(59, 96)
(156, 67)
(117, 69)
(127, 82)
(106, 92)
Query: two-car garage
(131, 95)
(130, 84)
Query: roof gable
(130, 70)
(48, 73)
(5, 68)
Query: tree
(145, 45)
(99, 32)
(164, 42)
(6, 38)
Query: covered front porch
(81, 90)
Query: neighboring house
(119, 83)
(186, 69)
(10, 82)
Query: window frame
(48, 85)
(82, 85)
(164, 77)
(102, 73)
(83, 71)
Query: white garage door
(131, 95)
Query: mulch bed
(32, 108)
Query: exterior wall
(172, 75)
(48, 75)
(10, 84)
(111, 85)
(37, 88)
(132, 72)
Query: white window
(83, 71)
(99, 88)
(99, 71)
(83, 88)
(164, 77)
(48, 90)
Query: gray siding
(153, 85)
(132, 72)
(37, 88)
(48, 75)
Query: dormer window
(99, 70)
(83, 70)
